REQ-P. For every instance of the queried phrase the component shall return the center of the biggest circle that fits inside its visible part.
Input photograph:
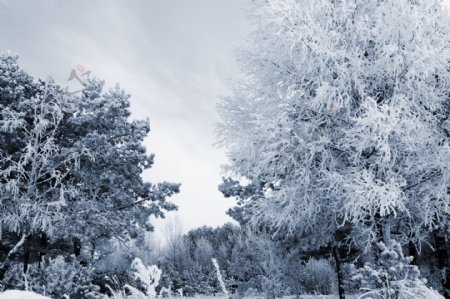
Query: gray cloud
(173, 56)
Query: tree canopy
(71, 166)
(342, 121)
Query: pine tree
(71, 168)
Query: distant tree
(244, 270)
(342, 120)
(203, 252)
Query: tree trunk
(93, 250)
(340, 278)
(443, 261)
(412, 251)
(380, 234)
(7, 262)
(26, 258)
(42, 247)
(386, 231)
(77, 247)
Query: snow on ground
(12, 294)
(286, 297)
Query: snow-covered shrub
(273, 285)
(434, 276)
(318, 277)
(351, 286)
(251, 292)
(147, 277)
(56, 277)
(392, 276)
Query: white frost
(14, 294)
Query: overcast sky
(174, 57)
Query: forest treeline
(251, 264)
(254, 263)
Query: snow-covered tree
(113, 199)
(394, 277)
(70, 168)
(342, 119)
(35, 183)
(35, 187)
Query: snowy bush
(147, 277)
(318, 277)
(434, 276)
(56, 277)
(392, 276)
(273, 286)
